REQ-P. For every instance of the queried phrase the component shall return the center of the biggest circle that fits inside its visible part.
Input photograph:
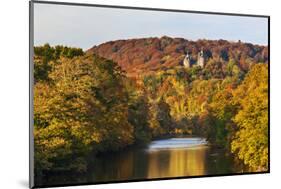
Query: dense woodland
(145, 55)
(114, 96)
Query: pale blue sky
(85, 27)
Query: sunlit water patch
(177, 143)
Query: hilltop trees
(145, 55)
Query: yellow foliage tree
(251, 139)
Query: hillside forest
(128, 92)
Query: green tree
(138, 117)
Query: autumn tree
(84, 109)
(43, 55)
(251, 139)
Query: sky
(84, 27)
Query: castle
(187, 62)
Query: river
(163, 158)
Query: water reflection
(162, 158)
(177, 157)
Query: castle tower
(200, 59)
(187, 61)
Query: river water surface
(164, 158)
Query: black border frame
(31, 85)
